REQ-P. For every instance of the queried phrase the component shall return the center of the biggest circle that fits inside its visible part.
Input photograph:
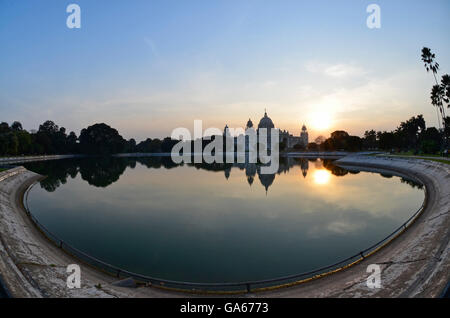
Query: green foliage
(429, 147)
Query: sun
(321, 121)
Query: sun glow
(321, 121)
(321, 176)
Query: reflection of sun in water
(321, 176)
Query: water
(218, 223)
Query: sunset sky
(147, 67)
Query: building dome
(266, 122)
(249, 124)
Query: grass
(411, 153)
(429, 159)
(440, 160)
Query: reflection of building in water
(250, 172)
(285, 164)
(304, 165)
(227, 171)
(265, 179)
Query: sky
(146, 67)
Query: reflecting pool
(220, 222)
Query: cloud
(340, 70)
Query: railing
(33, 158)
(224, 288)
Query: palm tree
(445, 86)
(433, 66)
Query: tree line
(101, 139)
(410, 135)
(49, 139)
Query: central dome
(266, 122)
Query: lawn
(407, 155)
(440, 160)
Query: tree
(101, 139)
(4, 128)
(370, 139)
(319, 140)
(386, 140)
(131, 146)
(353, 143)
(167, 144)
(447, 127)
(410, 131)
(312, 146)
(16, 126)
(429, 141)
(24, 139)
(430, 64)
(71, 143)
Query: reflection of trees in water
(57, 172)
(412, 183)
(335, 170)
(104, 171)
(155, 162)
(96, 171)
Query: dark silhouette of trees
(370, 139)
(167, 144)
(312, 146)
(14, 140)
(98, 139)
(386, 140)
(440, 93)
(101, 139)
(430, 64)
(408, 132)
(149, 146)
(341, 141)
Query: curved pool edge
(324, 287)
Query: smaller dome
(249, 123)
(303, 127)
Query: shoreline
(304, 290)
